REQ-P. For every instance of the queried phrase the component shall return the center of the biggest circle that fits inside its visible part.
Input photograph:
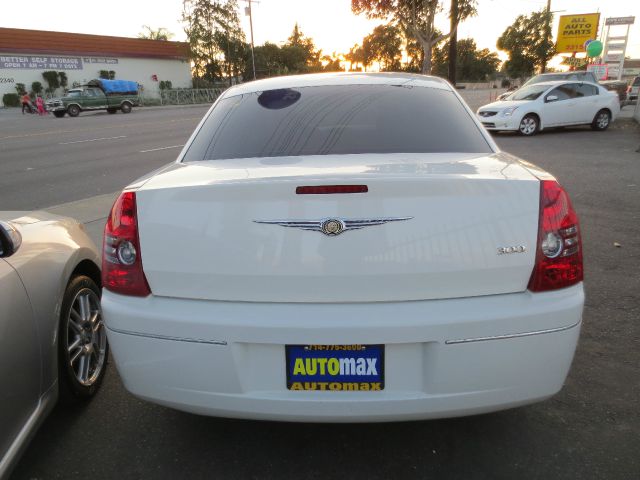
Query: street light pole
(253, 59)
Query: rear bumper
(442, 358)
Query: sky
(329, 22)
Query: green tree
(211, 26)
(332, 63)
(36, 87)
(354, 57)
(300, 54)
(416, 18)
(155, 34)
(268, 61)
(415, 56)
(471, 64)
(231, 43)
(52, 80)
(528, 42)
(384, 45)
(107, 74)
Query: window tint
(529, 93)
(586, 90)
(636, 82)
(347, 119)
(563, 92)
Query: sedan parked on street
(340, 248)
(552, 104)
(52, 339)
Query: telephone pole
(253, 58)
(453, 42)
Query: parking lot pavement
(475, 98)
(590, 430)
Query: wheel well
(90, 269)
(606, 110)
(534, 114)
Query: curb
(175, 107)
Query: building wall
(83, 69)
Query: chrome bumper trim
(167, 337)
(512, 335)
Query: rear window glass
(348, 119)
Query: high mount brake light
(559, 249)
(121, 257)
(330, 189)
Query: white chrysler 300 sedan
(550, 105)
(343, 247)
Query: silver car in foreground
(52, 339)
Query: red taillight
(121, 261)
(559, 249)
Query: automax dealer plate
(335, 367)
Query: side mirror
(10, 239)
(551, 98)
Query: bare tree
(157, 34)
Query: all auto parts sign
(575, 30)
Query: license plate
(335, 367)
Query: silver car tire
(601, 121)
(82, 342)
(529, 125)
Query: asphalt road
(590, 430)
(46, 161)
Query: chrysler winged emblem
(333, 226)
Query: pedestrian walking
(26, 103)
(40, 105)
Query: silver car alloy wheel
(528, 125)
(86, 338)
(603, 120)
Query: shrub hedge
(11, 100)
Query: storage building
(26, 54)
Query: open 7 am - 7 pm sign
(575, 30)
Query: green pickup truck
(109, 95)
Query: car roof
(552, 83)
(339, 78)
(549, 74)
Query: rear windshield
(346, 119)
